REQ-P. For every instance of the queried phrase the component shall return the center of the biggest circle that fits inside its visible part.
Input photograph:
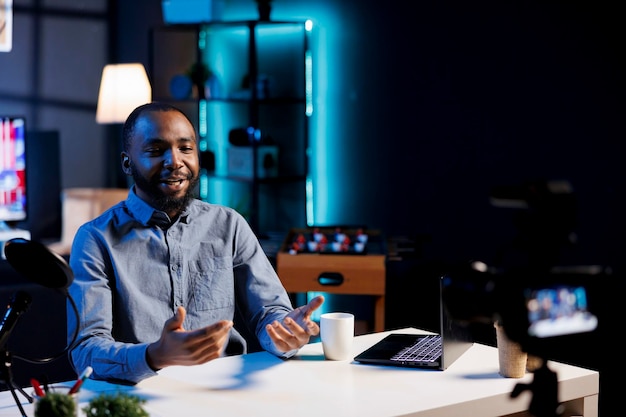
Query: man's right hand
(180, 347)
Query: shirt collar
(148, 215)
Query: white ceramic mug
(337, 334)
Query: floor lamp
(122, 88)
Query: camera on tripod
(543, 311)
(542, 304)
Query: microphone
(34, 260)
(19, 304)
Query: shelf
(274, 55)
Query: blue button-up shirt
(133, 268)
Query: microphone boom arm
(19, 304)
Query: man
(159, 277)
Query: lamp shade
(122, 88)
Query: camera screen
(558, 311)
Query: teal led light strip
(308, 73)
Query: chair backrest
(79, 205)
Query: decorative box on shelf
(191, 11)
(337, 261)
(240, 161)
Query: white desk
(260, 384)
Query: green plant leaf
(55, 404)
(118, 404)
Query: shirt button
(174, 267)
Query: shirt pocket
(212, 283)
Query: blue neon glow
(308, 82)
(202, 125)
(327, 91)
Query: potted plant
(199, 73)
(56, 404)
(119, 404)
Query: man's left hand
(297, 328)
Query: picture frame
(6, 25)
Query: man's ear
(126, 163)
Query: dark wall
(462, 96)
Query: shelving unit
(265, 178)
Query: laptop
(427, 351)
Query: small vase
(212, 88)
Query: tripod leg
(7, 378)
(17, 401)
(544, 389)
(25, 394)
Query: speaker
(43, 181)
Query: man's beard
(161, 201)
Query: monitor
(13, 204)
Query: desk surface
(307, 385)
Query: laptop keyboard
(426, 349)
